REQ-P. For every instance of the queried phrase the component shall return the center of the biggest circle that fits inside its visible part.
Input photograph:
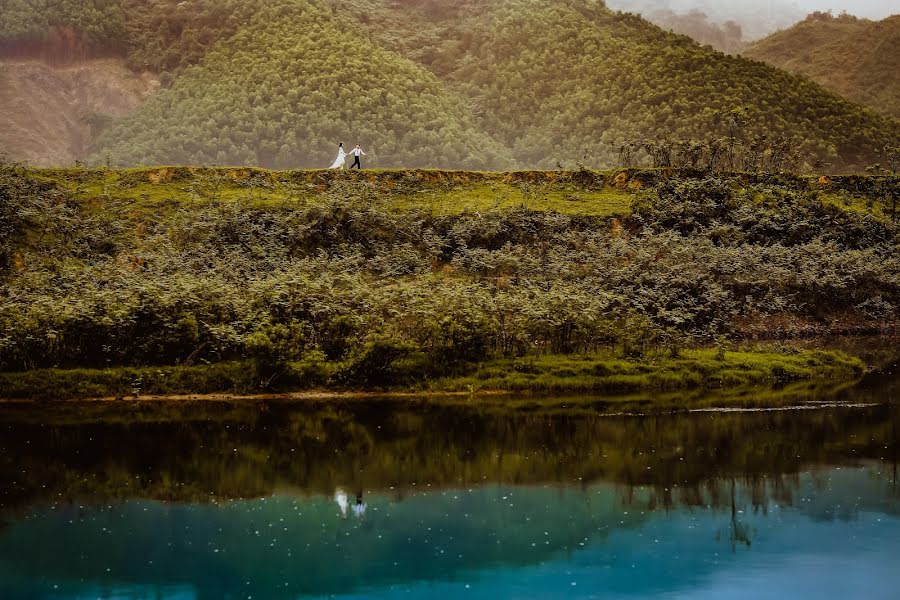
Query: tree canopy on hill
(287, 88)
(561, 81)
(856, 58)
(156, 35)
(168, 35)
(555, 78)
(450, 83)
(99, 24)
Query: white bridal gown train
(341, 159)
(340, 496)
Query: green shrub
(271, 347)
(376, 364)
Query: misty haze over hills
(757, 18)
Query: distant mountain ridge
(856, 58)
(438, 83)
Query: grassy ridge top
(607, 193)
(590, 193)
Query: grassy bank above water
(599, 372)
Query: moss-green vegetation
(690, 369)
(164, 189)
(401, 278)
(601, 372)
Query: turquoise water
(374, 501)
(841, 540)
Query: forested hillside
(857, 58)
(74, 28)
(158, 35)
(288, 87)
(629, 79)
(457, 83)
(755, 19)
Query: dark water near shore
(385, 499)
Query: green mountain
(856, 58)
(452, 84)
(558, 78)
(68, 27)
(287, 87)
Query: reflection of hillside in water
(203, 452)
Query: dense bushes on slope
(340, 275)
(856, 58)
(22, 201)
(774, 216)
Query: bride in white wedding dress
(341, 158)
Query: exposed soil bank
(53, 112)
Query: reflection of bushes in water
(233, 452)
(758, 491)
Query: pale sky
(872, 9)
(760, 17)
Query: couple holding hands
(342, 157)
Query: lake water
(449, 499)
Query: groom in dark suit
(357, 152)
